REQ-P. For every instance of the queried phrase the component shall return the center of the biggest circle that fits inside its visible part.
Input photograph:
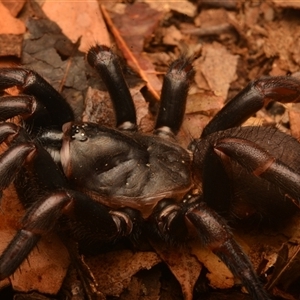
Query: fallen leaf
(286, 267)
(294, 116)
(11, 33)
(79, 20)
(113, 270)
(218, 275)
(130, 38)
(14, 7)
(9, 24)
(218, 67)
(183, 7)
(184, 266)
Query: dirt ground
(231, 43)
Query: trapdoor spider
(111, 183)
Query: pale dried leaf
(218, 66)
(294, 115)
(9, 24)
(14, 7)
(79, 19)
(219, 276)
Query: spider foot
(215, 235)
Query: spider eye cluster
(78, 132)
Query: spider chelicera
(112, 183)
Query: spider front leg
(43, 216)
(215, 235)
(172, 223)
(21, 152)
(107, 65)
(173, 95)
(251, 99)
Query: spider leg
(11, 106)
(42, 217)
(107, 65)
(173, 97)
(214, 233)
(12, 160)
(37, 221)
(47, 188)
(255, 96)
(214, 174)
(47, 97)
(90, 217)
(260, 163)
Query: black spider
(113, 183)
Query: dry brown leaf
(184, 266)
(130, 38)
(113, 270)
(14, 7)
(98, 108)
(283, 42)
(206, 102)
(11, 33)
(211, 17)
(218, 66)
(45, 268)
(79, 19)
(184, 7)
(172, 36)
(192, 127)
(9, 24)
(286, 267)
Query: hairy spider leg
(255, 96)
(173, 97)
(216, 236)
(108, 67)
(174, 219)
(260, 163)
